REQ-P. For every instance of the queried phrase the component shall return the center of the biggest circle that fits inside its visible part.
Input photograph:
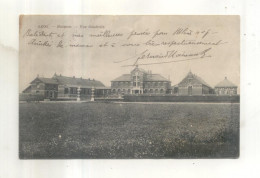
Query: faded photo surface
(129, 87)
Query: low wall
(28, 97)
(174, 98)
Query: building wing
(225, 83)
(73, 81)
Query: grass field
(128, 130)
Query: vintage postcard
(129, 87)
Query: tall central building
(140, 81)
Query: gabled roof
(27, 89)
(225, 83)
(73, 81)
(194, 79)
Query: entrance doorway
(136, 91)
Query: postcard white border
(246, 165)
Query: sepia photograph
(129, 86)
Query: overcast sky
(99, 62)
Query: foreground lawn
(128, 130)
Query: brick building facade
(62, 87)
(192, 85)
(140, 81)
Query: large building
(140, 81)
(192, 85)
(61, 87)
(226, 87)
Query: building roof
(149, 77)
(156, 77)
(123, 78)
(45, 80)
(194, 80)
(225, 83)
(73, 81)
(70, 81)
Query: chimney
(73, 76)
(225, 77)
(38, 76)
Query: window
(74, 90)
(176, 90)
(66, 90)
(134, 84)
(83, 91)
(51, 94)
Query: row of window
(84, 91)
(146, 84)
(128, 91)
(74, 90)
(136, 78)
(226, 92)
